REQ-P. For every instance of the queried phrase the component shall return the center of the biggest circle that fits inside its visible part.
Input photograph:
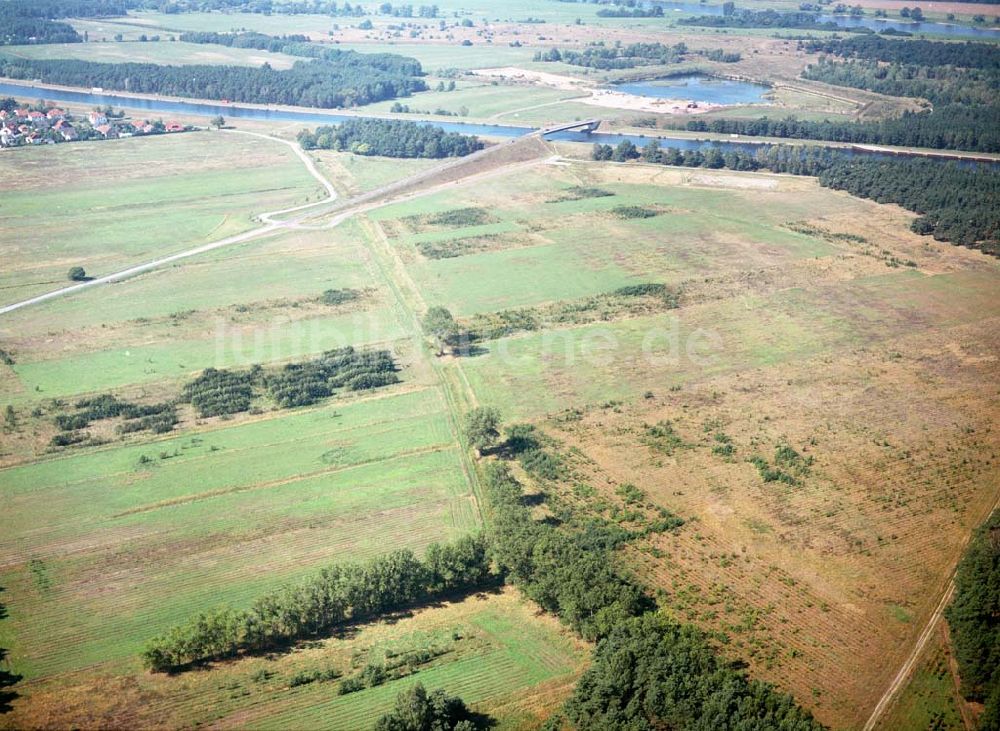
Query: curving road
(270, 226)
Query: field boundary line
(184, 500)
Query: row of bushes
(346, 592)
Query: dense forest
(952, 127)
(390, 138)
(351, 79)
(974, 620)
(956, 203)
(345, 592)
(941, 85)
(918, 52)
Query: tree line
(345, 80)
(974, 620)
(338, 594)
(389, 138)
(953, 127)
(918, 51)
(743, 18)
(956, 202)
(248, 39)
(618, 56)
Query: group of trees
(248, 39)
(650, 673)
(345, 592)
(406, 11)
(617, 56)
(418, 710)
(974, 620)
(617, 11)
(219, 391)
(956, 202)
(390, 138)
(159, 417)
(340, 79)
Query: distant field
(498, 655)
(106, 204)
(480, 100)
(162, 52)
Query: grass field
(496, 653)
(226, 511)
(105, 205)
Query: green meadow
(217, 515)
(104, 206)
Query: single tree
(482, 427)
(218, 122)
(77, 274)
(440, 324)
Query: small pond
(699, 88)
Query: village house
(55, 114)
(106, 131)
(97, 118)
(37, 119)
(66, 130)
(175, 127)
